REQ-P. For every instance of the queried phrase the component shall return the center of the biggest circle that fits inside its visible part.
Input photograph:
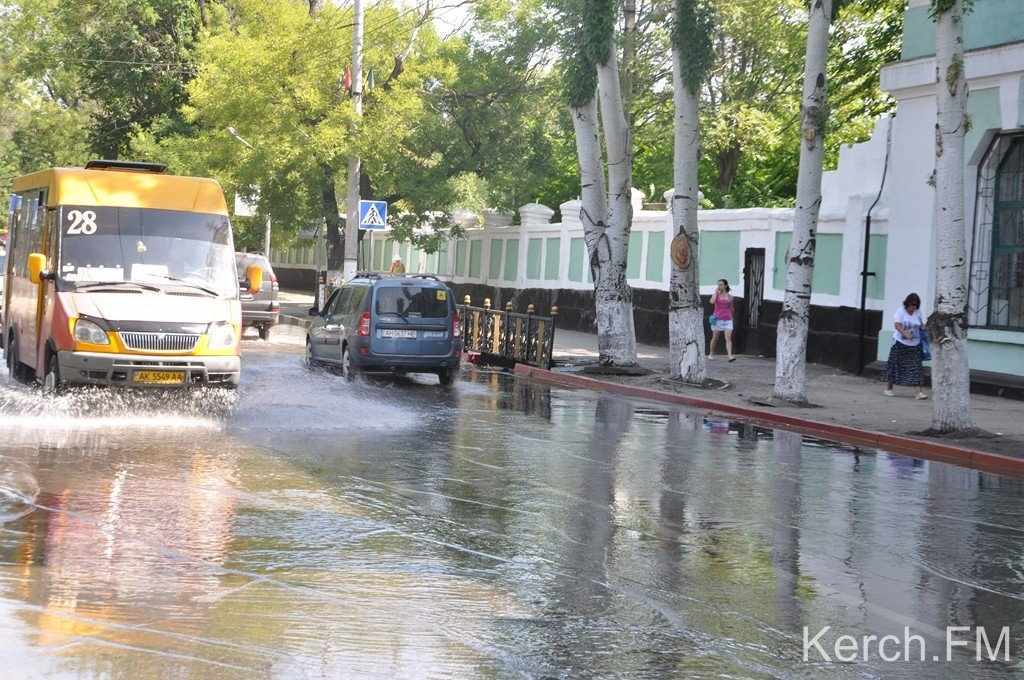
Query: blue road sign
(373, 214)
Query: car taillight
(364, 325)
(456, 324)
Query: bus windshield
(146, 245)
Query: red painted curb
(912, 446)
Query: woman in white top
(905, 356)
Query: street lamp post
(266, 229)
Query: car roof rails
(424, 276)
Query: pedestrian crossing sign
(373, 214)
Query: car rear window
(414, 301)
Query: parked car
(260, 309)
(378, 323)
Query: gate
(753, 285)
(507, 336)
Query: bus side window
(12, 229)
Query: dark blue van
(397, 324)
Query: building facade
(994, 176)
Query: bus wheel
(52, 384)
(17, 370)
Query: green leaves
(692, 33)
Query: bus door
(25, 297)
(46, 296)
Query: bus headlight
(221, 335)
(90, 332)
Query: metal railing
(507, 336)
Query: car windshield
(412, 301)
(144, 245)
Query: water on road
(306, 528)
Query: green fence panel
(378, 256)
(534, 252)
(460, 258)
(636, 247)
(494, 263)
(828, 262)
(655, 270)
(552, 258)
(512, 259)
(577, 255)
(877, 252)
(476, 248)
(719, 254)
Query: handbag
(712, 320)
(926, 349)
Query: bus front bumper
(140, 370)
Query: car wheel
(307, 358)
(52, 384)
(264, 331)
(446, 376)
(347, 371)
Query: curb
(911, 446)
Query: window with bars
(1006, 285)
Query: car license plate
(160, 377)
(397, 333)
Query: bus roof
(126, 189)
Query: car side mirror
(36, 267)
(254, 276)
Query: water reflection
(498, 529)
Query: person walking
(906, 354)
(721, 318)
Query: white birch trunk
(791, 338)
(686, 314)
(947, 323)
(614, 299)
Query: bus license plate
(160, 377)
(397, 333)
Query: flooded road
(305, 528)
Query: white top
(909, 322)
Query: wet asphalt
(307, 528)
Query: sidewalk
(840, 398)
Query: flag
(347, 80)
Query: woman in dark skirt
(905, 355)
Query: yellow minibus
(120, 274)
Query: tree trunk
(947, 325)
(686, 314)
(791, 345)
(616, 331)
(329, 206)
